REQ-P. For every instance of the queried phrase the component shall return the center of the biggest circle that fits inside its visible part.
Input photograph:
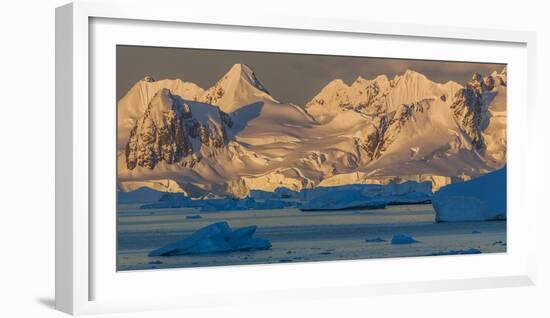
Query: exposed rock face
(468, 111)
(165, 132)
(471, 107)
(386, 128)
(390, 105)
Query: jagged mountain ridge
(373, 131)
(377, 96)
(170, 131)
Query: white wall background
(27, 158)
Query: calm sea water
(299, 236)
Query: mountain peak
(148, 79)
(239, 69)
(336, 83)
(243, 72)
(413, 74)
(237, 88)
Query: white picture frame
(80, 255)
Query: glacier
(215, 238)
(480, 199)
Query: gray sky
(295, 78)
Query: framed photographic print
(320, 169)
(392, 159)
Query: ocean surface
(298, 236)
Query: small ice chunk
(403, 239)
(375, 240)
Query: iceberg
(409, 198)
(227, 204)
(279, 193)
(343, 200)
(172, 201)
(271, 205)
(140, 195)
(403, 239)
(261, 195)
(365, 196)
(353, 196)
(422, 190)
(215, 238)
(312, 194)
(285, 193)
(480, 199)
(161, 205)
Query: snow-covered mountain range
(235, 137)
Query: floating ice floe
(375, 240)
(403, 239)
(215, 238)
(480, 199)
(457, 252)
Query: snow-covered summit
(238, 87)
(371, 97)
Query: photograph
(229, 157)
